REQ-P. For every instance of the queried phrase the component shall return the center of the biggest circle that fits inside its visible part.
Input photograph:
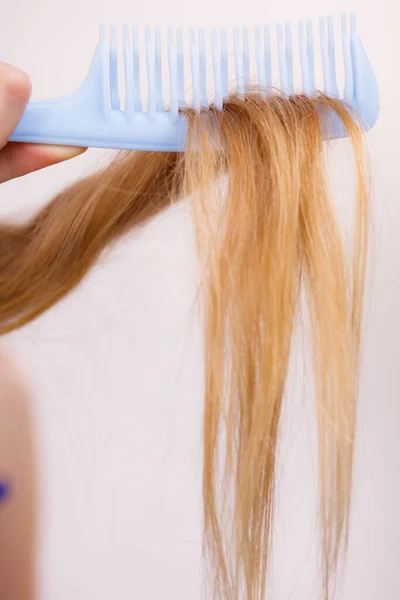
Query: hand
(18, 159)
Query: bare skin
(17, 466)
(17, 447)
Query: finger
(19, 159)
(15, 91)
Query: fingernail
(64, 152)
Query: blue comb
(93, 116)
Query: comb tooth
(289, 57)
(305, 76)
(259, 59)
(246, 58)
(181, 68)
(224, 63)
(202, 69)
(173, 78)
(332, 58)
(238, 63)
(267, 56)
(325, 60)
(218, 101)
(353, 24)
(151, 106)
(105, 74)
(195, 70)
(354, 44)
(310, 55)
(115, 102)
(282, 61)
(348, 65)
(128, 66)
(158, 72)
(137, 96)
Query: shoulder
(11, 378)
(16, 418)
(15, 406)
(18, 472)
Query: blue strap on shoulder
(5, 489)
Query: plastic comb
(93, 116)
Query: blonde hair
(266, 229)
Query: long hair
(266, 231)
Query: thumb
(15, 91)
(18, 159)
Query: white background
(116, 369)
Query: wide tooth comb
(93, 114)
